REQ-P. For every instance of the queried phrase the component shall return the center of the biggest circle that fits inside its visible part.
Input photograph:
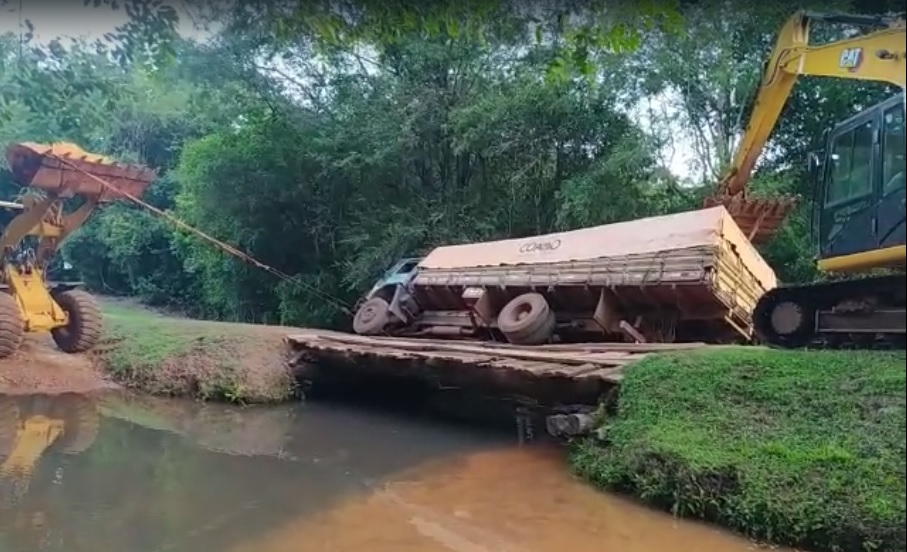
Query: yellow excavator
(34, 228)
(858, 215)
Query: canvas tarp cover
(652, 235)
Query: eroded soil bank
(39, 367)
(159, 355)
(164, 355)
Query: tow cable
(227, 248)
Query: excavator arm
(878, 55)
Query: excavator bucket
(758, 218)
(66, 170)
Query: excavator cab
(876, 53)
(859, 198)
(858, 193)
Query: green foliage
(802, 448)
(149, 35)
(574, 33)
(329, 147)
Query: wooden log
(564, 357)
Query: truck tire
(80, 422)
(12, 326)
(84, 328)
(372, 317)
(542, 334)
(527, 320)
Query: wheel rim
(786, 318)
(521, 312)
(368, 314)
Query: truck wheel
(80, 422)
(12, 326)
(372, 317)
(527, 320)
(84, 328)
(541, 335)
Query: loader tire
(80, 422)
(372, 317)
(12, 326)
(84, 328)
(527, 320)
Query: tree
(329, 148)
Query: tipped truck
(690, 276)
(33, 229)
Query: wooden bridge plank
(601, 365)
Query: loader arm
(877, 56)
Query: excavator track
(865, 313)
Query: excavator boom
(878, 55)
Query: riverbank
(166, 355)
(795, 447)
(40, 367)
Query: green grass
(182, 357)
(795, 447)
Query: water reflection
(33, 424)
(219, 428)
(121, 473)
(173, 475)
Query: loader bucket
(758, 218)
(60, 169)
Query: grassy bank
(191, 358)
(796, 447)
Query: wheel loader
(858, 198)
(32, 425)
(62, 186)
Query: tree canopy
(331, 139)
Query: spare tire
(372, 317)
(527, 320)
(541, 335)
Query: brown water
(141, 475)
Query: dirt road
(40, 367)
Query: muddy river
(120, 473)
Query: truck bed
(696, 266)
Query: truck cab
(400, 274)
(388, 300)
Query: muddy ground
(40, 367)
(160, 353)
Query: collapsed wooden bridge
(558, 374)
